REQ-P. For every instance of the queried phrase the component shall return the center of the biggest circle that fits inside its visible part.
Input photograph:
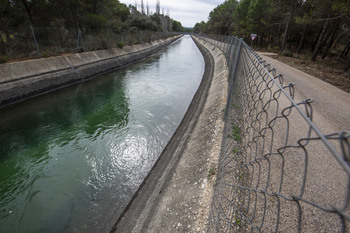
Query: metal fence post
(227, 44)
(79, 39)
(234, 48)
(229, 53)
(236, 58)
(36, 43)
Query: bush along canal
(71, 160)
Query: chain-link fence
(31, 43)
(277, 172)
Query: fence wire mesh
(277, 172)
(31, 43)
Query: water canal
(71, 160)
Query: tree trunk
(331, 41)
(75, 15)
(337, 39)
(346, 49)
(314, 42)
(2, 47)
(28, 12)
(301, 44)
(290, 18)
(347, 66)
(320, 40)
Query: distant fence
(277, 172)
(24, 43)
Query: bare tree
(136, 5)
(158, 7)
(147, 9)
(142, 7)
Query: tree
(177, 27)
(199, 27)
(220, 19)
(158, 7)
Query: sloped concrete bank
(176, 195)
(26, 79)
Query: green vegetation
(287, 53)
(211, 173)
(66, 26)
(90, 14)
(238, 222)
(3, 59)
(298, 26)
(236, 134)
(121, 44)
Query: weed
(238, 222)
(236, 134)
(211, 173)
(45, 53)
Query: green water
(71, 160)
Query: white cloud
(188, 12)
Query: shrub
(287, 53)
(121, 44)
(3, 58)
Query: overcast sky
(188, 12)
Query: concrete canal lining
(176, 195)
(26, 79)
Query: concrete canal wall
(26, 79)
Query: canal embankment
(26, 79)
(176, 194)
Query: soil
(328, 70)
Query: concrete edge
(37, 77)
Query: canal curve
(71, 160)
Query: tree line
(317, 26)
(88, 14)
